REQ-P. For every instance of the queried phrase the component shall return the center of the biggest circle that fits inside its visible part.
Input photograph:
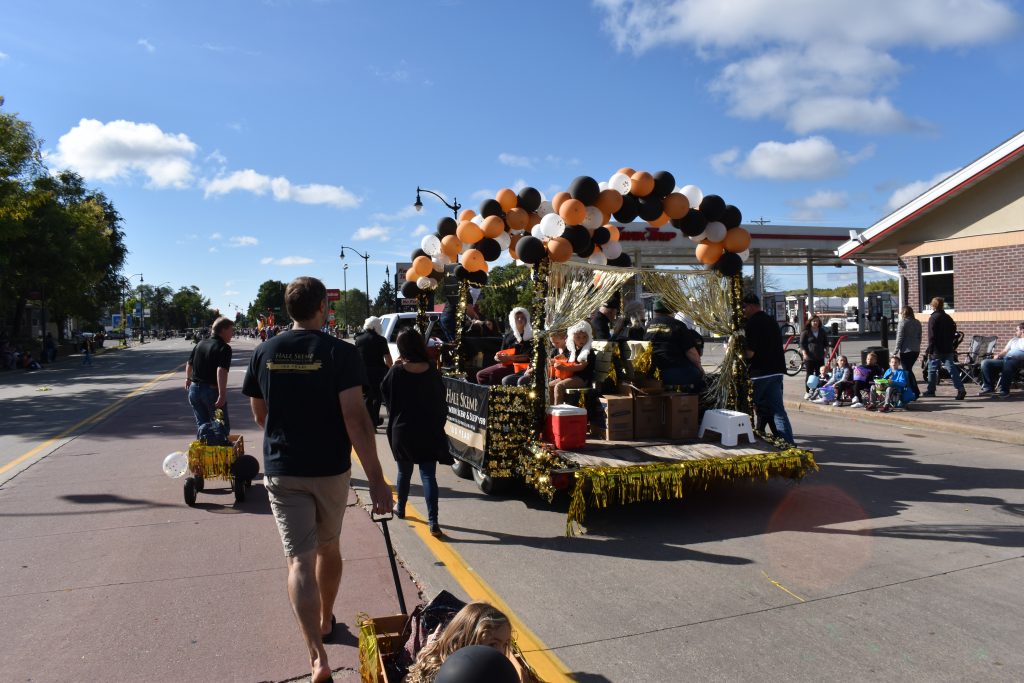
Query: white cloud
(3, 56)
(150, 48)
(216, 236)
(810, 158)
(213, 250)
(107, 151)
(507, 159)
(401, 214)
(910, 191)
(243, 241)
(286, 261)
(481, 195)
(283, 190)
(216, 157)
(373, 232)
(813, 208)
(421, 230)
(783, 55)
(231, 292)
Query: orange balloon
(627, 170)
(467, 215)
(469, 232)
(641, 184)
(609, 201)
(708, 253)
(659, 221)
(573, 211)
(493, 226)
(736, 240)
(512, 245)
(472, 260)
(614, 232)
(559, 249)
(534, 218)
(485, 266)
(423, 266)
(507, 198)
(451, 246)
(676, 205)
(517, 219)
(556, 201)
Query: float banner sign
(467, 420)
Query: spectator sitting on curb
(1007, 362)
(841, 379)
(863, 377)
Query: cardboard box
(618, 418)
(641, 386)
(648, 417)
(681, 413)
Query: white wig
(372, 323)
(579, 355)
(527, 331)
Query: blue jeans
(428, 470)
(949, 360)
(679, 377)
(1007, 366)
(202, 397)
(768, 402)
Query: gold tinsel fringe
(623, 485)
(368, 659)
(211, 462)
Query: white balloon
(432, 283)
(545, 208)
(620, 182)
(423, 283)
(537, 231)
(478, 219)
(431, 244)
(175, 465)
(440, 261)
(593, 219)
(503, 240)
(612, 249)
(598, 258)
(552, 225)
(602, 186)
(699, 238)
(715, 232)
(745, 254)
(694, 194)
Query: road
(901, 559)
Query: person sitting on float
(514, 356)
(577, 370)
(601, 322)
(673, 351)
(555, 355)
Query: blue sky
(243, 141)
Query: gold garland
(667, 481)
(460, 315)
(509, 418)
(211, 462)
(535, 469)
(369, 660)
(511, 282)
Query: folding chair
(981, 347)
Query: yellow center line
(96, 417)
(547, 665)
(781, 587)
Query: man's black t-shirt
(373, 348)
(670, 340)
(765, 340)
(601, 326)
(207, 356)
(299, 373)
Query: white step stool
(729, 423)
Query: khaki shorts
(308, 510)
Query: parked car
(393, 323)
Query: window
(936, 279)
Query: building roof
(934, 197)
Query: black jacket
(941, 333)
(815, 347)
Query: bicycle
(793, 358)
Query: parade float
(642, 443)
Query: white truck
(393, 323)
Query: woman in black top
(813, 345)
(417, 411)
(373, 349)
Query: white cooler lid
(566, 409)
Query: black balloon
(460, 272)
(478, 277)
(438, 275)
(490, 248)
(529, 199)
(417, 253)
(622, 261)
(629, 210)
(587, 250)
(446, 226)
(530, 250)
(491, 207)
(577, 235)
(602, 235)
(410, 290)
(693, 223)
(731, 217)
(477, 664)
(664, 183)
(729, 264)
(651, 208)
(585, 189)
(712, 206)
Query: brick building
(963, 240)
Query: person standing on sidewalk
(813, 345)
(306, 392)
(206, 374)
(767, 365)
(908, 345)
(941, 345)
(373, 348)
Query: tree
(350, 310)
(269, 299)
(189, 308)
(496, 301)
(385, 301)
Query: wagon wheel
(239, 488)
(794, 362)
(490, 485)
(200, 484)
(462, 469)
(190, 492)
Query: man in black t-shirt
(306, 391)
(206, 374)
(767, 365)
(672, 349)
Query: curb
(902, 418)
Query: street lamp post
(455, 206)
(366, 264)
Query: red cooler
(566, 426)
